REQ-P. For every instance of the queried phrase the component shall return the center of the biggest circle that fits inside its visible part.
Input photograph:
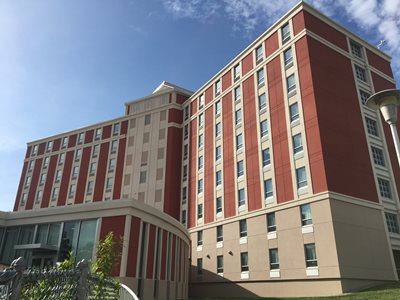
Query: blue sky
(68, 64)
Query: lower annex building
(272, 179)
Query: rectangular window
(220, 233)
(218, 87)
(236, 72)
(199, 266)
(297, 143)
(240, 168)
(244, 261)
(378, 156)
(237, 93)
(147, 120)
(360, 73)
(39, 196)
(288, 56)
(273, 259)
(356, 49)
(263, 128)
(271, 223)
(218, 107)
(27, 181)
(266, 157)
(78, 154)
(268, 190)
(201, 101)
(218, 129)
(199, 186)
(54, 194)
(186, 132)
(199, 238)
(116, 129)
(23, 199)
(89, 189)
(49, 146)
(111, 165)
(243, 228)
(42, 178)
(239, 141)
(311, 255)
(201, 140)
(183, 217)
(185, 171)
(109, 183)
(291, 83)
(364, 96)
(64, 142)
(186, 112)
(185, 151)
(31, 165)
(260, 77)
(294, 112)
(372, 127)
(72, 188)
(220, 264)
(95, 150)
(201, 120)
(114, 146)
(391, 222)
(81, 137)
(61, 158)
(238, 117)
(200, 211)
(241, 197)
(219, 204)
(184, 194)
(301, 177)
(200, 162)
(98, 134)
(305, 213)
(384, 188)
(75, 171)
(142, 177)
(93, 167)
(218, 178)
(218, 153)
(46, 162)
(259, 54)
(262, 101)
(285, 33)
(58, 175)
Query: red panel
(181, 98)
(192, 192)
(124, 127)
(251, 144)
(89, 136)
(209, 166)
(34, 183)
(298, 23)
(150, 252)
(83, 175)
(345, 149)
(101, 172)
(175, 116)
(226, 80)
(21, 183)
(379, 85)
(128, 109)
(72, 140)
(48, 186)
(133, 247)
(283, 174)
(62, 197)
(193, 107)
(173, 257)
(106, 132)
(173, 170)
(229, 171)
(379, 63)
(117, 226)
(28, 151)
(180, 243)
(325, 31)
(209, 95)
(56, 145)
(271, 44)
(164, 254)
(41, 148)
(119, 169)
(247, 63)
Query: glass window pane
(7, 253)
(54, 234)
(86, 240)
(68, 239)
(26, 235)
(41, 234)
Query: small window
(259, 54)
(199, 266)
(268, 189)
(297, 143)
(116, 129)
(89, 189)
(199, 238)
(201, 101)
(237, 93)
(143, 175)
(391, 222)
(244, 261)
(199, 186)
(185, 151)
(301, 177)
(201, 120)
(294, 112)
(266, 157)
(201, 140)
(109, 183)
(220, 264)
(58, 175)
(218, 178)
(46, 162)
(49, 146)
(305, 213)
(239, 141)
(218, 87)
(185, 172)
(200, 211)
(64, 142)
(186, 111)
(42, 179)
(218, 153)
(260, 77)
(54, 194)
(218, 129)
(98, 134)
(75, 172)
(31, 165)
(262, 101)
(288, 57)
(219, 204)
(95, 150)
(240, 168)
(35, 150)
(236, 72)
(372, 127)
(273, 259)
(291, 84)
(183, 218)
(81, 137)
(364, 96)
(200, 162)
(39, 196)
(271, 223)
(184, 194)
(114, 146)
(311, 255)
(147, 119)
(238, 117)
(285, 33)
(356, 49)
(27, 181)
(111, 165)
(220, 233)
(24, 198)
(378, 156)
(61, 158)
(186, 131)
(360, 73)
(218, 107)
(72, 188)
(93, 167)
(384, 188)
(243, 228)
(241, 197)
(78, 154)
(263, 128)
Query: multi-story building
(287, 183)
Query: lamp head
(387, 101)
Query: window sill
(307, 229)
(275, 273)
(219, 187)
(299, 155)
(260, 85)
(269, 200)
(218, 161)
(263, 110)
(271, 235)
(200, 221)
(265, 138)
(219, 214)
(312, 271)
(267, 168)
(244, 275)
(289, 65)
(242, 208)
(303, 190)
(243, 240)
(295, 122)
(220, 244)
(240, 150)
(240, 178)
(220, 274)
(218, 137)
(200, 248)
(238, 125)
(292, 93)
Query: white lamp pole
(388, 101)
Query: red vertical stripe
(56, 145)
(72, 140)
(193, 107)
(251, 143)
(34, 183)
(106, 132)
(41, 148)
(133, 247)
(209, 166)
(21, 184)
(64, 186)
(83, 174)
(173, 257)
(150, 252)
(124, 127)
(101, 172)
(89, 136)
(119, 169)
(226, 80)
(28, 151)
(247, 64)
(209, 95)
(48, 186)
(271, 44)
(164, 254)
(192, 175)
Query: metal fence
(17, 282)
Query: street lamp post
(387, 101)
